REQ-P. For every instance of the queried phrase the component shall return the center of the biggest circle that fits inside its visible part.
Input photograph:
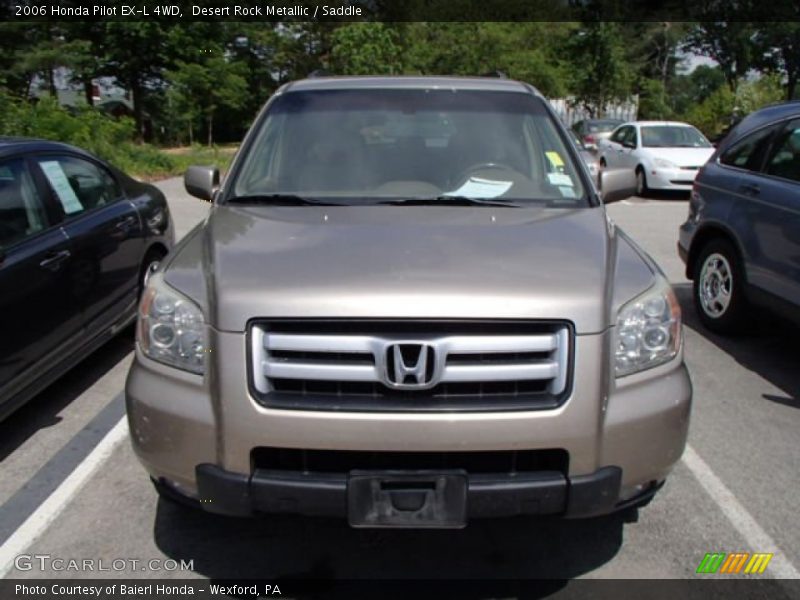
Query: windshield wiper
(280, 200)
(451, 201)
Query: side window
(631, 137)
(784, 160)
(748, 152)
(22, 212)
(79, 185)
(619, 135)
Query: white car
(665, 154)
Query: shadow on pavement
(43, 410)
(769, 349)
(495, 554)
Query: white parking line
(48, 511)
(780, 567)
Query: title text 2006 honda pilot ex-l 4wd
(408, 308)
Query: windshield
(673, 136)
(603, 126)
(373, 146)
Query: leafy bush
(87, 128)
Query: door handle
(53, 261)
(750, 189)
(125, 224)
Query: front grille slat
(468, 365)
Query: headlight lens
(171, 328)
(648, 330)
(664, 164)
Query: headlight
(171, 329)
(648, 331)
(664, 164)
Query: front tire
(718, 286)
(641, 183)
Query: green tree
(729, 43)
(779, 52)
(204, 88)
(601, 70)
(365, 49)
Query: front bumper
(635, 426)
(671, 179)
(325, 495)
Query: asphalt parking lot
(735, 490)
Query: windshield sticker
(555, 159)
(560, 179)
(567, 192)
(476, 187)
(58, 179)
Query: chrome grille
(438, 364)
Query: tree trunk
(51, 80)
(138, 113)
(191, 134)
(210, 130)
(88, 91)
(791, 85)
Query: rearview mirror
(202, 182)
(617, 184)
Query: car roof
(15, 145)
(494, 84)
(775, 112)
(662, 123)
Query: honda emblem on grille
(409, 365)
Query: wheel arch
(703, 237)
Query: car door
(772, 215)
(613, 148)
(627, 155)
(39, 316)
(106, 234)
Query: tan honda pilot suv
(408, 308)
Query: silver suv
(408, 308)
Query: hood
(682, 157)
(404, 262)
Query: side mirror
(617, 184)
(202, 182)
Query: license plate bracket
(407, 499)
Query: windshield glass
(370, 146)
(603, 126)
(673, 136)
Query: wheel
(149, 266)
(641, 183)
(719, 287)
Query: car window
(22, 212)
(784, 159)
(619, 135)
(673, 136)
(79, 185)
(602, 126)
(367, 146)
(748, 152)
(630, 137)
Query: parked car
(408, 308)
(741, 241)
(590, 159)
(665, 155)
(77, 240)
(591, 131)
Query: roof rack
(497, 73)
(319, 73)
